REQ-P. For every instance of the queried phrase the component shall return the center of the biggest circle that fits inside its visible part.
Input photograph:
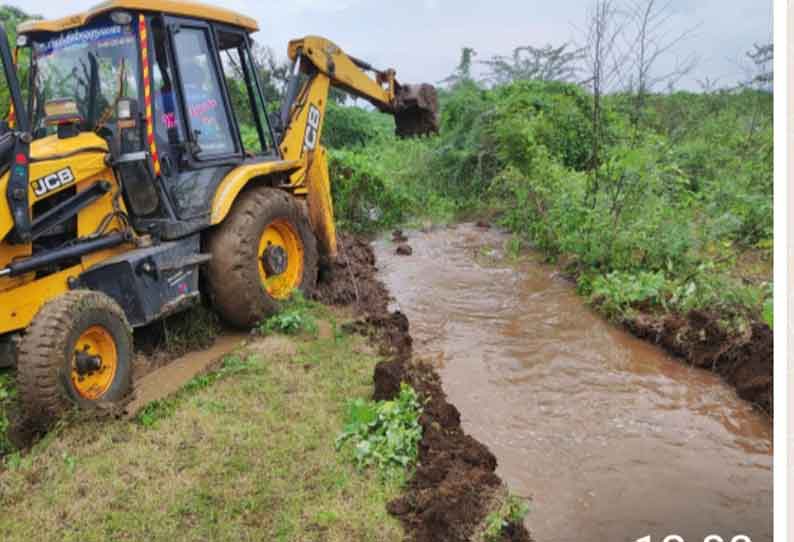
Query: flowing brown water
(611, 438)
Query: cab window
(246, 100)
(167, 125)
(208, 122)
(94, 67)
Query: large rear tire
(77, 351)
(261, 253)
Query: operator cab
(177, 100)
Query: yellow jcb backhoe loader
(126, 189)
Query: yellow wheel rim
(282, 236)
(98, 343)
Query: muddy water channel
(611, 438)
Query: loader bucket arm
(414, 107)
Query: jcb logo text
(53, 181)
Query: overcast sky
(422, 38)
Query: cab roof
(193, 10)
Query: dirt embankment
(454, 484)
(745, 362)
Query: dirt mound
(744, 361)
(350, 279)
(448, 496)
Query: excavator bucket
(416, 110)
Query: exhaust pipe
(416, 110)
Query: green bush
(348, 127)
(362, 201)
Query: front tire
(261, 254)
(77, 351)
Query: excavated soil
(448, 496)
(745, 362)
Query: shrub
(617, 293)
(348, 127)
(384, 434)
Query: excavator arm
(319, 65)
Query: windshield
(94, 66)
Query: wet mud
(450, 493)
(745, 362)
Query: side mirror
(277, 126)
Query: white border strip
(782, 257)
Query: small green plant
(384, 434)
(295, 317)
(512, 512)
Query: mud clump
(349, 280)
(744, 361)
(483, 225)
(448, 497)
(404, 250)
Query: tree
(462, 73)
(273, 72)
(546, 63)
(763, 57)
(602, 65)
(652, 39)
(761, 79)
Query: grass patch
(163, 408)
(244, 453)
(297, 316)
(8, 394)
(191, 329)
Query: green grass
(244, 453)
(191, 329)
(8, 393)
